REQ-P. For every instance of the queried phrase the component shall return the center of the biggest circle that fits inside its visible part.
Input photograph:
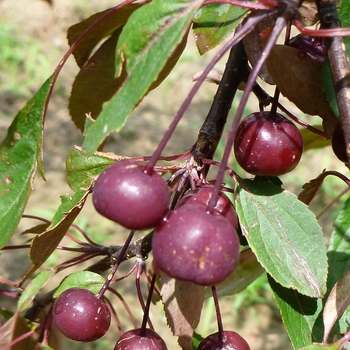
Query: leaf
(254, 44)
(82, 169)
(345, 21)
(329, 87)
(105, 28)
(312, 140)
(300, 315)
(245, 272)
(33, 288)
(14, 328)
(311, 188)
(335, 346)
(337, 302)
(284, 235)
(213, 23)
(183, 303)
(43, 245)
(299, 78)
(100, 71)
(81, 279)
(148, 39)
(20, 155)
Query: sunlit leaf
(81, 279)
(82, 170)
(284, 235)
(335, 346)
(213, 23)
(312, 140)
(104, 29)
(33, 288)
(149, 38)
(183, 303)
(20, 155)
(299, 78)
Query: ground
(46, 25)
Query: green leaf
(300, 315)
(335, 346)
(33, 288)
(105, 28)
(81, 279)
(284, 235)
(43, 245)
(82, 169)
(20, 155)
(329, 88)
(213, 23)
(345, 21)
(149, 38)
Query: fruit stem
(246, 28)
(115, 266)
(148, 303)
(280, 24)
(218, 314)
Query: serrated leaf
(312, 140)
(82, 169)
(43, 245)
(299, 78)
(245, 272)
(33, 288)
(81, 279)
(337, 302)
(284, 235)
(213, 23)
(149, 38)
(109, 25)
(183, 303)
(300, 315)
(20, 155)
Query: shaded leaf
(33, 288)
(254, 44)
(147, 41)
(284, 235)
(312, 140)
(95, 83)
(183, 303)
(103, 30)
(299, 78)
(329, 88)
(300, 315)
(213, 23)
(20, 155)
(311, 188)
(337, 302)
(345, 21)
(81, 279)
(245, 272)
(12, 329)
(43, 245)
(82, 170)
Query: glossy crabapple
(267, 145)
(192, 244)
(80, 315)
(203, 194)
(134, 340)
(230, 341)
(128, 195)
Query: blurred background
(33, 40)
